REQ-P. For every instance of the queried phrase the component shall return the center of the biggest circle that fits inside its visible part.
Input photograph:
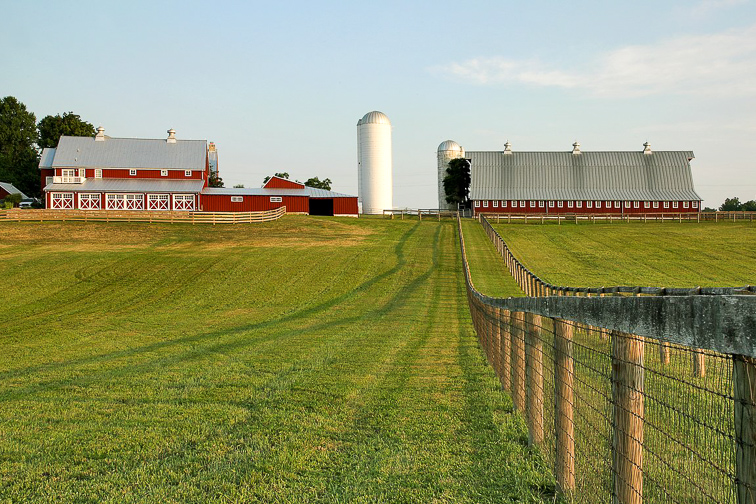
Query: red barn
(104, 173)
(278, 192)
(579, 182)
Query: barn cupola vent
(507, 148)
(647, 148)
(100, 136)
(576, 148)
(171, 136)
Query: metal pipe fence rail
(612, 395)
(510, 217)
(143, 216)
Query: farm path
(247, 367)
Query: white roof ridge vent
(576, 147)
(100, 136)
(171, 136)
(507, 148)
(647, 148)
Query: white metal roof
(374, 117)
(663, 175)
(449, 145)
(81, 152)
(46, 159)
(11, 189)
(131, 185)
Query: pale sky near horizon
(279, 86)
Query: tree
(215, 180)
(749, 206)
(731, 205)
(13, 199)
(51, 128)
(457, 181)
(19, 159)
(239, 186)
(280, 175)
(319, 184)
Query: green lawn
(304, 360)
(651, 254)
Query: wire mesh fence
(622, 417)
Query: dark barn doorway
(322, 206)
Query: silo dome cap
(449, 145)
(374, 117)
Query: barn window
(616, 204)
(685, 204)
(636, 204)
(579, 204)
(187, 173)
(598, 204)
(560, 204)
(485, 204)
(540, 204)
(656, 204)
(627, 204)
(495, 204)
(163, 173)
(98, 173)
(674, 204)
(237, 199)
(514, 204)
(503, 204)
(608, 204)
(646, 204)
(570, 204)
(589, 204)
(522, 204)
(551, 204)
(666, 204)
(532, 204)
(695, 204)
(279, 199)
(132, 172)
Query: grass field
(305, 360)
(652, 254)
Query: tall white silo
(447, 151)
(375, 188)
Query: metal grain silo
(375, 189)
(447, 151)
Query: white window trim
(540, 204)
(636, 204)
(89, 198)
(617, 204)
(159, 202)
(675, 204)
(646, 204)
(514, 204)
(589, 204)
(666, 204)
(62, 201)
(485, 204)
(237, 199)
(695, 204)
(477, 203)
(598, 204)
(628, 204)
(522, 204)
(551, 204)
(163, 173)
(579, 204)
(656, 204)
(495, 204)
(532, 204)
(183, 202)
(570, 204)
(503, 204)
(187, 173)
(132, 172)
(98, 173)
(685, 204)
(560, 204)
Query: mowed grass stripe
(350, 375)
(652, 254)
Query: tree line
(22, 139)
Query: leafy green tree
(239, 186)
(19, 159)
(318, 184)
(51, 128)
(457, 182)
(731, 205)
(280, 175)
(749, 206)
(13, 199)
(215, 180)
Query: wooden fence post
(699, 363)
(505, 355)
(628, 417)
(744, 378)
(518, 360)
(534, 372)
(564, 425)
(496, 353)
(664, 352)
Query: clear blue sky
(279, 86)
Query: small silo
(375, 186)
(447, 151)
